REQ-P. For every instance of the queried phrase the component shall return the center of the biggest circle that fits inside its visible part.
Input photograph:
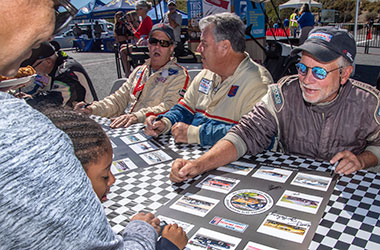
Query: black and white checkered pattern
(351, 219)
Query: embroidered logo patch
(233, 90)
(204, 86)
(320, 35)
(172, 72)
(276, 95)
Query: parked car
(66, 39)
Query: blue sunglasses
(318, 72)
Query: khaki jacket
(160, 92)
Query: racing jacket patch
(233, 90)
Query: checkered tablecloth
(351, 218)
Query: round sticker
(248, 201)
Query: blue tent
(109, 10)
(86, 11)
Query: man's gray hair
(343, 62)
(227, 26)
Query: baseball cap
(164, 28)
(328, 43)
(44, 51)
(171, 2)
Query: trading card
(113, 145)
(228, 224)
(248, 201)
(122, 165)
(195, 204)
(256, 246)
(186, 226)
(237, 167)
(284, 227)
(312, 181)
(218, 183)
(272, 174)
(129, 139)
(205, 239)
(143, 147)
(299, 201)
(155, 157)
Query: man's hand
(179, 131)
(176, 235)
(348, 162)
(123, 120)
(183, 170)
(153, 128)
(83, 108)
(150, 219)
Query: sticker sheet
(218, 183)
(302, 202)
(195, 204)
(205, 239)
(285, 227)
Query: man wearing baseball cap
(174, 20)
(151, 89)
(320, 113)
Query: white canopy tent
(299, 3)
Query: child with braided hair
(93, 149)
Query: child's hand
(149, 218)
(176, 235)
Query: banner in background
(195, 13)
(255, 16)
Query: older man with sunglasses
(47, 201)
(151, 89)
(319, 113)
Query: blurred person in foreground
(151, 89)
(61, 79)
(222, 93)
(320, 113)
(47, 201)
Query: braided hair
(89, 140)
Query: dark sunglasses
(163, 43)
(64, 13)
(318, 72)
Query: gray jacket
(46, 198)
(350, 122)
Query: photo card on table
(285, 227)
(130, 139)
(205, 239)
(316, 182)
(218, 183)
(155, 157)
(194, 204)
(143, 147)
(186, 226)
(299, 201)
(272, 174)
(256, 246)
(237, 167)
(122, 165)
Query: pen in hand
(155, 120)
(332, 171)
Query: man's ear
(345, 74)
(224, 47)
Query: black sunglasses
(163, 43)
(64, 13)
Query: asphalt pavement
(101, 68)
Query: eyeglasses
(318, 72)
(163, 43)
(64, 13)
